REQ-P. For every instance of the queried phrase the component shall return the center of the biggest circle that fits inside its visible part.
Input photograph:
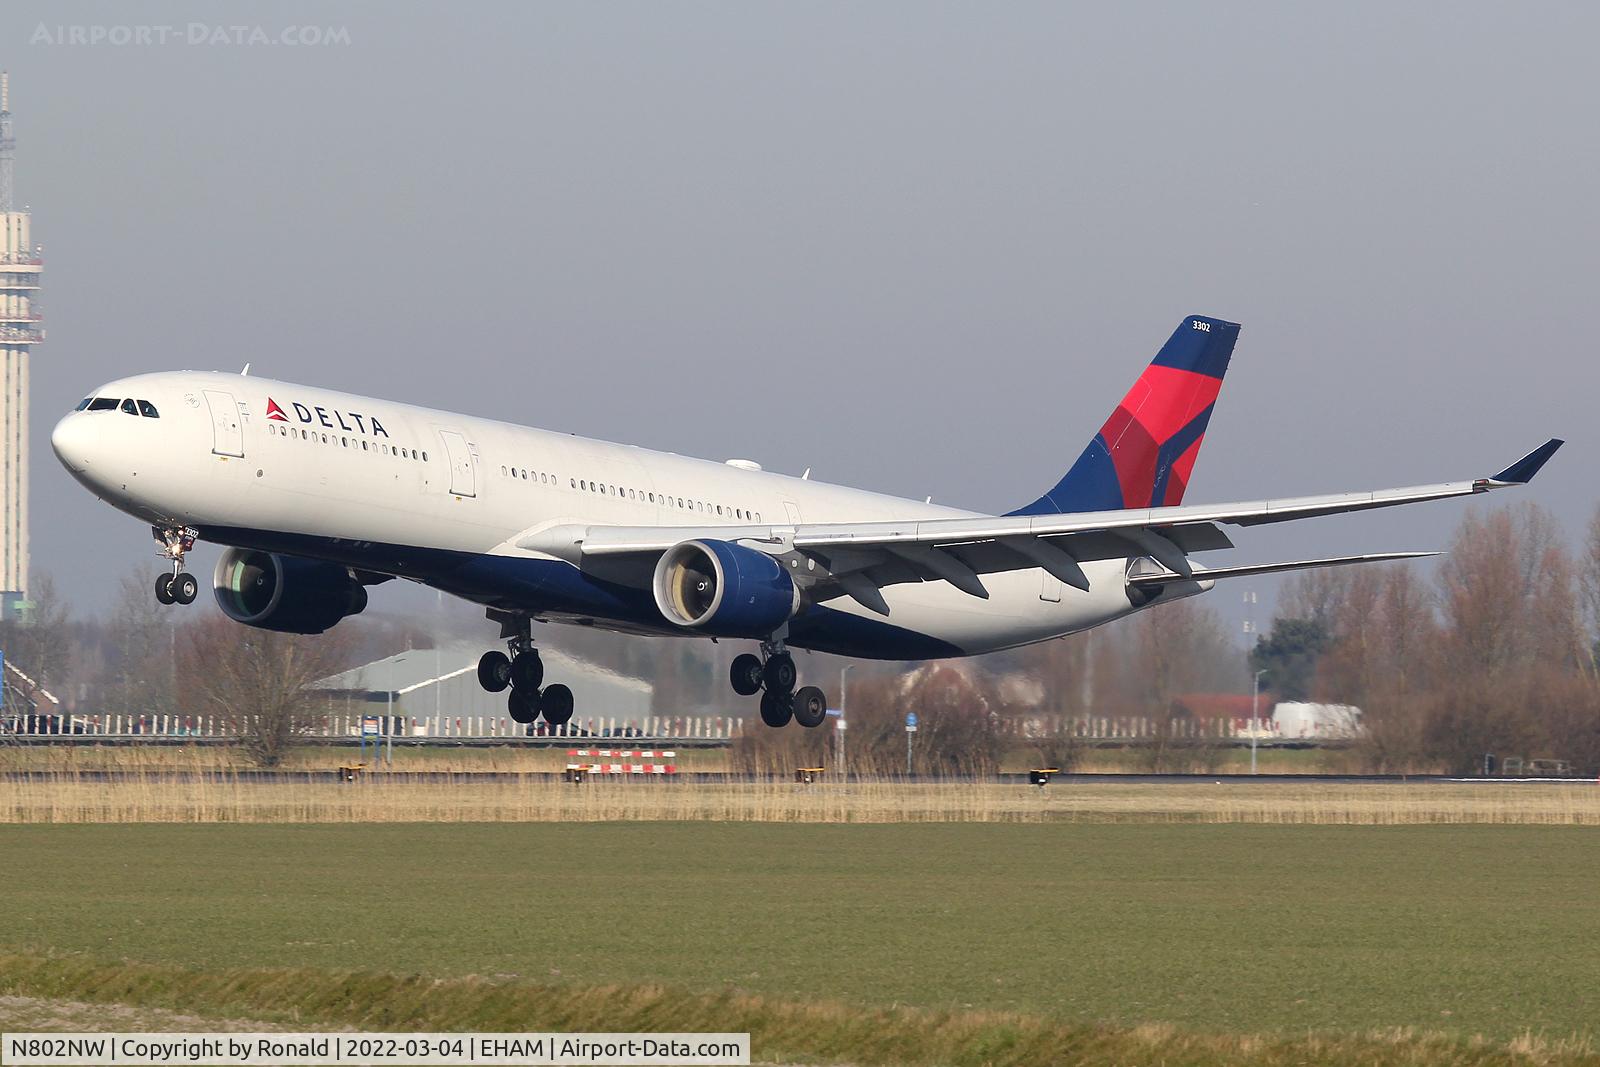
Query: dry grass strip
(225, 798)
(781, 1031)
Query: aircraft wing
(862, 557)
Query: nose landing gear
(179, 587)
(774, 677)
(522, 672)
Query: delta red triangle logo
(274, 411)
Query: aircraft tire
(555, 704)
(779, 673)
(810, 707)
(527, 671)
(184, 588)
(776, 709)
(164, 589)
(494, 671)
(746, 674)
(520, 705)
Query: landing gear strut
(773, 675)
(179, 587)
(523, 673)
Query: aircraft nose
(71, 441)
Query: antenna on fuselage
(806, 477)
(246, 372)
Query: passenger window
(424, 457)
(148, 410)
(363, 446)
(104, 403)
(344, 442)
(129, 407)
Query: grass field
(1213, 929)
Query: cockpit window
(103, 403)
(148, 410)
(130, 407)
(85, 402)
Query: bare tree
(38, 643)
(142, 668)
(1384, 642)
(258, 681)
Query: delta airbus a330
(319, 495)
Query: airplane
(318, 495)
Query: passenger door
(463, 481)
(227, 434)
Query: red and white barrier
(623, 768)
(622, 753)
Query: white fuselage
(444, 498)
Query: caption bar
(290, 1050)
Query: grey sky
(919, 248)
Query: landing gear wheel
(164, 589)
(779, 673)
(527, 671)
(746, 674)
(184, 588)
(776, 708)
(520, 706)
(555, 704)
(494, 672)
(810, 707)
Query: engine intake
(723, 589)
(285, 593)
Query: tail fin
(1143, 455)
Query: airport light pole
(839, 727)
(1255, 715)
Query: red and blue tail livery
(1144, 454)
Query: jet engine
(723, 589)
(285, 593)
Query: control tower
(20, 268)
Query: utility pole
(839, 727)
(1255, 715)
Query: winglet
(1522, 471)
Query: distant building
(1295, 719)
(424, 684)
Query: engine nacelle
(723, 589)
(285, 593)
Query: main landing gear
(774, 678)
(179, 587)
(523, 672)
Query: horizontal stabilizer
(1162, 578)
